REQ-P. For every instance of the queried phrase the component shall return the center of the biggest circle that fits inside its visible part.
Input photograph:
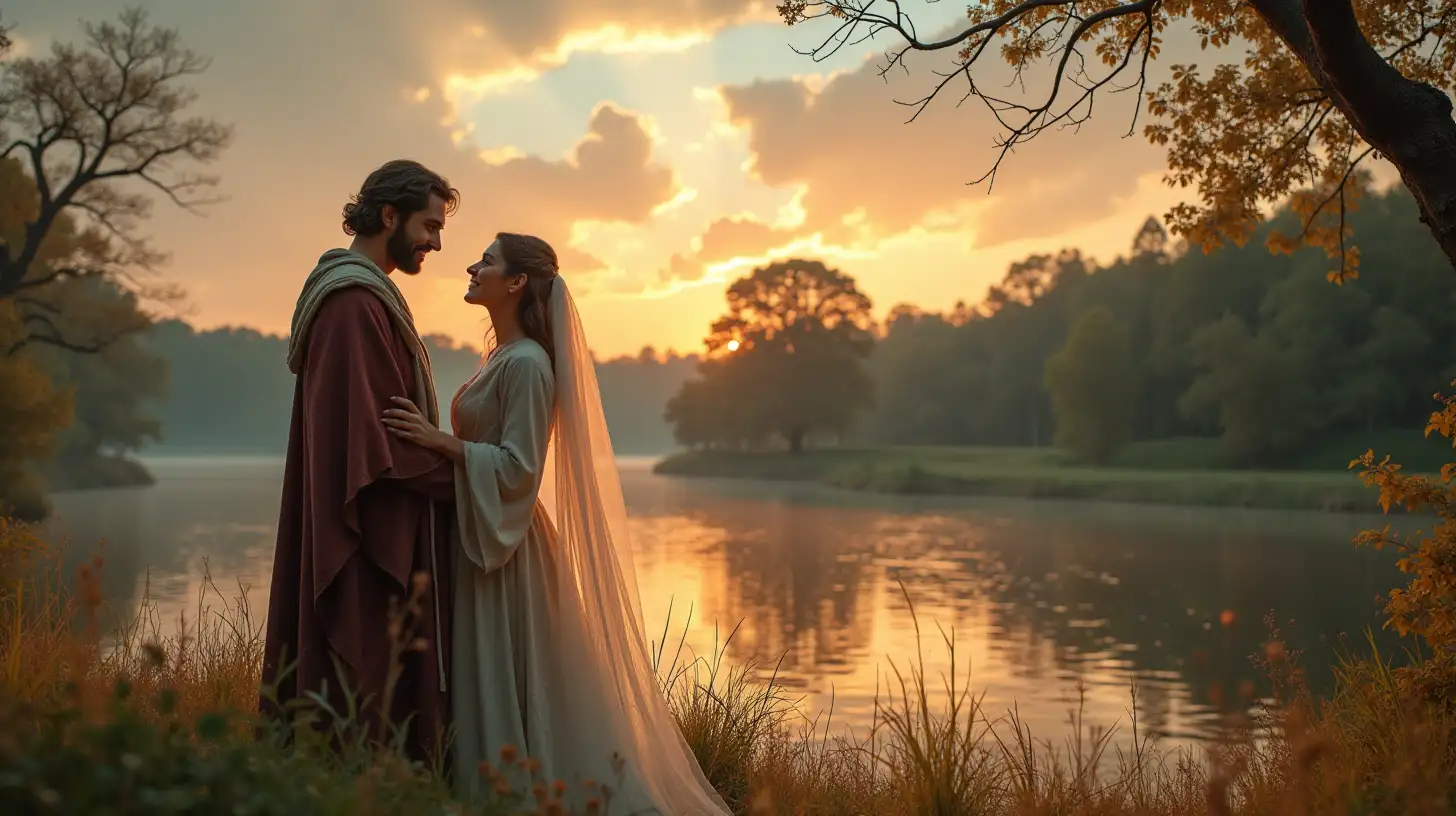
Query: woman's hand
(408, 422)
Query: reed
(163, 722)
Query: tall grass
(140, 721)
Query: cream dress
(512, 685)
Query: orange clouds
(322, 92)
(864, 175)
(319, 98)
(609, 176)
(725, 240)
(545, 32)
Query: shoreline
(97, 473)
(1032, 474)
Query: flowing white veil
(607, 654)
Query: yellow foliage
(31, 413)
(1426, 606)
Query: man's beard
(402, 252)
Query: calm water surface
(1042, 597)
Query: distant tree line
(1249, 359)
(231, 393)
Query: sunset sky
(663, 146)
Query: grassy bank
(1178, 472)
(166, 725)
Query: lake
(1043, 598)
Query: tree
(914, 366)
(115, 391)
(31, 413)
(1093, 385)
(1378, 387)
(1324, 86)
(1030, 280)
(709, 410)
(110, 389)
(792, 345)
(99, 130)
(1151, 241)
(1254, 387)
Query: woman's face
(489, 284)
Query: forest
(1236, 358)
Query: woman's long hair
(530, 256)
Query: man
(358, 594)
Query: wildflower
(508, 754)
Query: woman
(550, 656)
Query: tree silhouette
(1325, 85)
(1151, 241)
(100, 130)
(787, 359)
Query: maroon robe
(354, 528)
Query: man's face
(416, 236)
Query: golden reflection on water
(1041, 597)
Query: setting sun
(732, 345)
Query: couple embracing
(475, 589)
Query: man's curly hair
(405, 184)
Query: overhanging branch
(1067, 30)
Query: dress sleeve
(496, 487)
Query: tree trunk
(795, 438)
(1407, 122)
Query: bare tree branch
(1320, 87)
(45, 331)
(103, 131)
(1050, 26)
